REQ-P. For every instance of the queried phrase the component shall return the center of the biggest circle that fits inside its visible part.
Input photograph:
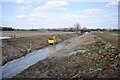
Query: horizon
(59, 14)
(57, 28)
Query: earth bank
(14, 48)
(87, 57)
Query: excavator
(53, 40)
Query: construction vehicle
(53, 40)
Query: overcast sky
(59, 14)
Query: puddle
(5, 37)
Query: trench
(14, 67)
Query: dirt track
(89, 57)
(17, 47)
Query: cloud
(20, 1)
(31, 17)
(86, 14)
(74, 18)
(111, 18)
(25, 3)
(21, 9)
(36, 17)
(113, 4)
(52, 5)
(21, 17)
(86, 17)
(23, 6)
(91, 18)
(92, 11)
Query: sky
(25, 14)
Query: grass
(103, 63)
(110, 37)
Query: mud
(14, 48)
(86, 57)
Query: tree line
(76, 28)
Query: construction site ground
(14, 48)
(96, 55)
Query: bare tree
(77, 28)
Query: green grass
(110, 37)
(103, 63)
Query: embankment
(17, 47)
(87, 57)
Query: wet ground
(16, 66)
(86, 57)
(14, 48)
(5, 37)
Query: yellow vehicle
(53, 40)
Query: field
(27, 33)
(111, 37)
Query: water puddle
(5, 37)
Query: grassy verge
(110, 37)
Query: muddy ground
(14, 48)
(88, 57)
